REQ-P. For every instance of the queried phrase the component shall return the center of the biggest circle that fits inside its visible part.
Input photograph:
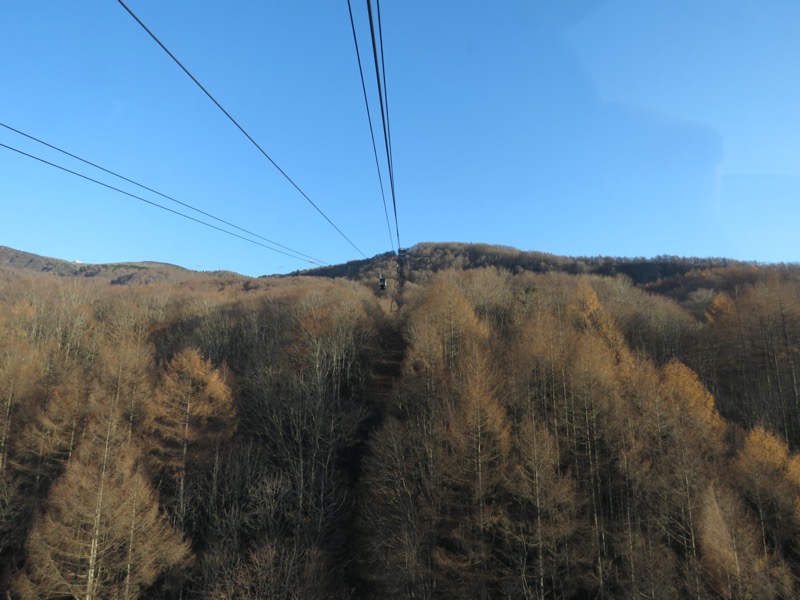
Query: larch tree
(543, 534)
(732, 557)
(768, 477)
(476, 453)
(17, 383)
(101, 533)
(490, 292)
(687, 464)
(440, 332)
(592, 403)
(58, 416)
(191, 413)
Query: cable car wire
(384, 112)
(144, 187)
(239, 127)
(388, 121)
(371, 128)
(386, 100)
(388, 125)
(156, 204)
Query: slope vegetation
(509, 433)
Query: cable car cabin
(382, 283)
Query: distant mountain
(424, 259)
(669, 275)
(134, 273)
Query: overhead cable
(384, 105)
(386, 98)
(156, 204)
(371, 128)
(144, 187)
(239, 127)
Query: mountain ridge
(420, 263)
(425, 258)
(121, 273)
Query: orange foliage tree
(191, 413)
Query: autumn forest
(501, 425)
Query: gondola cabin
(382, 282)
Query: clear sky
(578, 127)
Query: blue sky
(582, 128)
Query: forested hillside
(423, 260)
(509, 432)
(132, 273)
